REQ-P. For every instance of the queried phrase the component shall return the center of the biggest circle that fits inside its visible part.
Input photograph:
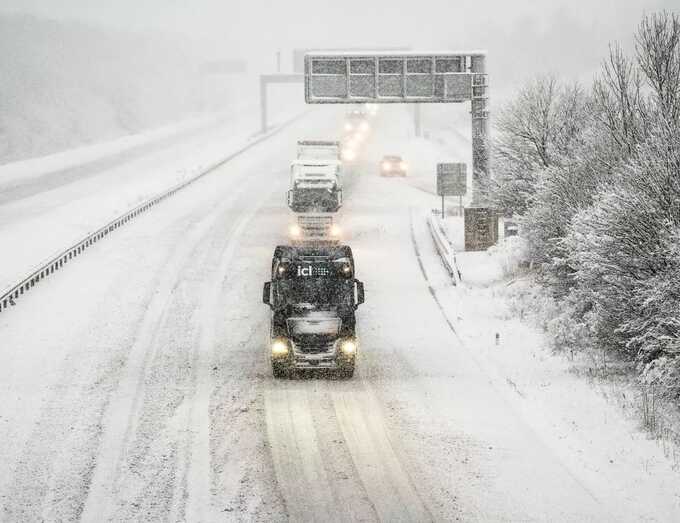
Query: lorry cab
(313, 296)
(315, 186)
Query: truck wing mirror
(360, 292)
(267, 293)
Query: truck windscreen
(317, 291)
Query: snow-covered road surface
(43, 210)
(136, 384)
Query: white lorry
(316, 177)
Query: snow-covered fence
(9, 297)
(444, 247)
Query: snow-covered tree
(597, 180)
(536, 131)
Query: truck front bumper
(330, 360)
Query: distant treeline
(594, 175)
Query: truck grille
(316, 227)
(327, 348)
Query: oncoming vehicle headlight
(348, 126)
(364, 126)
(348, 347)
(386, 166)
(348, 155)
(279, 347)
(403, 166)
(335, 231)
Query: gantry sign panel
(392, 78)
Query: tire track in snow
(298, 462)
(123, 408)
(387, 484)
(198, 471)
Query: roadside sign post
(451, 181)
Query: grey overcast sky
(523, 37)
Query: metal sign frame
(379, 77)
(265, 81)
(300, 53)
(383, 77)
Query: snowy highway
(136, 383)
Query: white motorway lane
(136, 384)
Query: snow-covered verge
(65, 84)
(39, 224)
(597, 190)
(590, 421)
(536, 335)
(613, 376)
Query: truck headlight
(348, 347)
(295, 231)
(403, 166)
(335, 231)
(386, 166)
(348, 126)
(279, 347)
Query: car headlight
(403, 166)
(348, 126)
(386, 166)
(279, 347)
(348, 347)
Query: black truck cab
(313, 296)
